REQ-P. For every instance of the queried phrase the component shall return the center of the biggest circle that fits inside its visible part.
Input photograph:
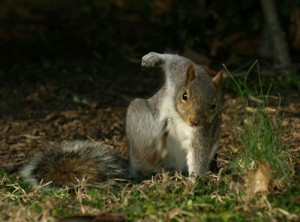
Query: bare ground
(88, 101)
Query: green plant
(260, 127)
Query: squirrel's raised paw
(151, 59)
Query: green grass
(260, 127)
(162, 198)
(175, 198)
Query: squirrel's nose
(194, 121)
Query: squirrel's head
(199, 100)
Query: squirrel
(177, 129)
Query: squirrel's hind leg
(146, 137)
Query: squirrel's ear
(190, 74)
(217, 79)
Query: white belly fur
(179, 137)
(178, 145)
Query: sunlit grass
(259, 127)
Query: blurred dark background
(211, 32)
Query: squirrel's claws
(152, 59)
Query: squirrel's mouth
(196, 120)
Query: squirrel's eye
(213, 106)
(185, 96)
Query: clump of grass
(261, 127)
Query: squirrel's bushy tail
(66, 163)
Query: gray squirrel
(177, 129)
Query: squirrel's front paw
(151, 59)
(161, 140)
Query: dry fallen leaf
(259, 181)
(269, 110)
